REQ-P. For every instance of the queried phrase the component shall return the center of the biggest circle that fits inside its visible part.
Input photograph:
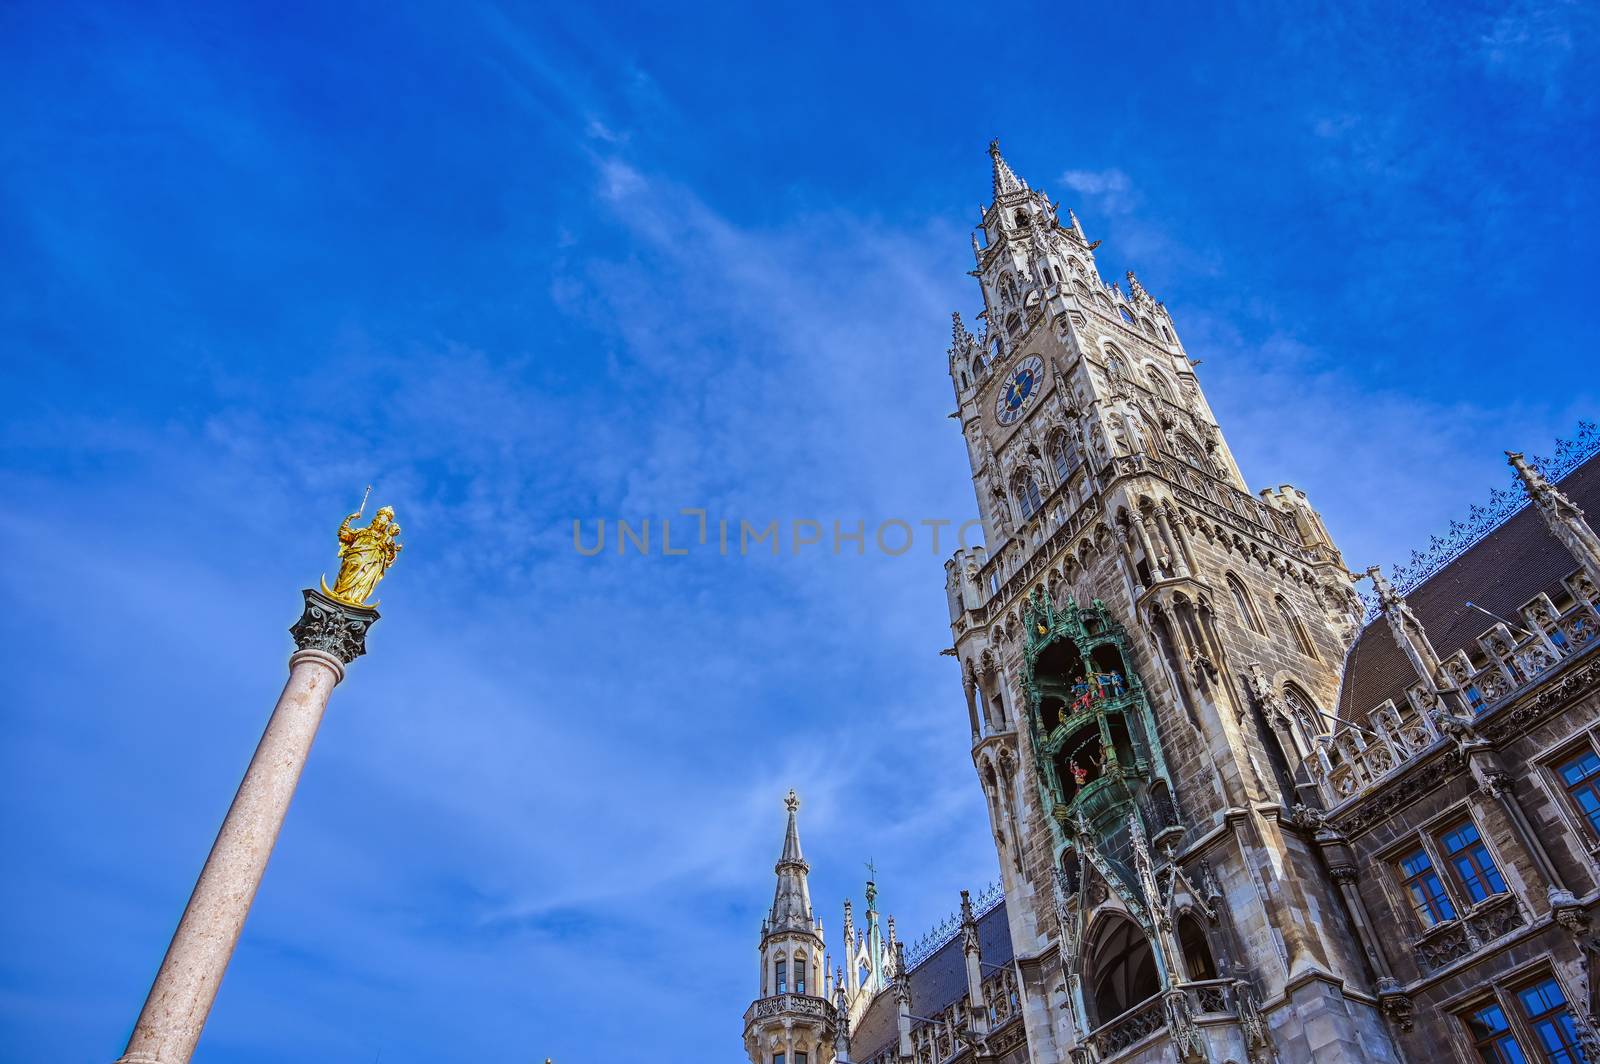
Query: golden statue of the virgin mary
(365, 554)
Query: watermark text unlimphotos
(693, 532)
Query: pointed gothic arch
(1064, 457)
(1159, 384)
(1120, 970)
(1195, 946)
(1025, 488)
(1243, 604)
(1192, 453)
(1305, 722)
(1291, 621)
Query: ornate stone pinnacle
(791, 801)
(333, 627)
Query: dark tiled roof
(1500, 572)
(936, 984)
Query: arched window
(1127, 317)
(1121, 969)
(1291, 621)
(1167, 333)
(1159, 384)
(979, 366)
(1115, 366)
(1028, 498)
(1304, 720)
(1241, 602)
(1190, 452)
(1144, 323)
(1014, 324)
(1196, 951)
(1021, 218)
(1064, 453)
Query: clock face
(1020, 388)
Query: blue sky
(516, 266)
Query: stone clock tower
(1145, 646)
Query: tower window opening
(1304, 714)
(779, 1058)
(1196, 952)
(1190, 452)
(1080, 761)
(1028, 498)
(1159, 385)
(1122, 970)
(1126, 317)
(1121, 742)
(1064, 453)
(1241, 602)
(1167, 333)
(1109, 668)
(1291, 621)
(1021, 218)
(800, 973)
(781, 980)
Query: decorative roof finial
(1561, 515)
(1387, 595)
(791, 801)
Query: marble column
(329, 635)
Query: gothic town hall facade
(1241, 814)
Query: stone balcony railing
(789, 1005)
(1451, 940)
(1132, 1027)
(1209, 1011)
(1352, 760)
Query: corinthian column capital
(333, 627)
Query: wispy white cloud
(1110, 190)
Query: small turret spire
(1561, 515)
(1005, 179)
(1407, 629)
(791, 902)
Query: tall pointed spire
(791, 902)
(1005, 180)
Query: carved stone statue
(365, 554)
